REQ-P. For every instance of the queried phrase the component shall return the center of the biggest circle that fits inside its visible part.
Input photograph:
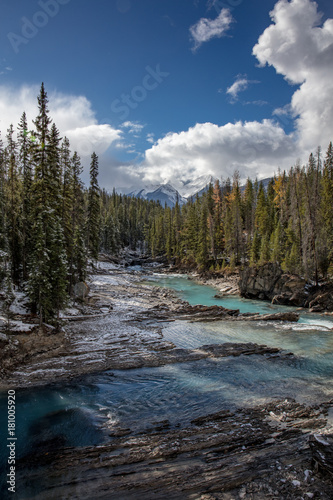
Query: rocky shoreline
(256, 454)
(266, 451)
(130, 313)
(269, 282)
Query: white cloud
(259, 102)
(150, 138)
(284, 111)
(240, 84)
(133, 127)
(73, 115)
(206, 29)
(300, 48)
(253, 148)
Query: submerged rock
(280, 316)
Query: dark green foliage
(94, 211)
(290, 222)
(26, 179)
(42, 214)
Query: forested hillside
(290, 222)
(47, 219)
(50, 224)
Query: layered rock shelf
(269, 282)
(213, 313)
(255, 453)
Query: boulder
(269, 282)
(282, 299)
(281, 316)
(321, 446)
(322, 302)
(260, 282)
(81, 290)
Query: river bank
(119, 326)
(269, 283)
(256, 452)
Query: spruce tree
(14, 200)
(39, 286)
(3, 207)
(203, 237)
(54, 172)
(58, 268)
(78, 258)
(327, 202)
(25, 167)
(46, 267)
(94, 212)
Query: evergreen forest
(51, 225)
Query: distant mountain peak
(167, 194)
(164, 193)
(197, 186)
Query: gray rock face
(268, 282)
(81, 290)
(322, 301)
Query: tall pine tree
(94, 210)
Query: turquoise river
(80, 413)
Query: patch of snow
(40, 372)
(104, 310)
(19, 326)
(70, 311)
(107, 266)
(307, 474)
(191, 187)
(105, 280)
(321, 440)
(17, 307)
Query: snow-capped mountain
(197, 186)
(164, 193)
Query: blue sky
(167, 90)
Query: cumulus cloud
(253, 148)
(73, 116)
(206, 29)
(300, 47)
(240, 84)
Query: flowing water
(84, 412)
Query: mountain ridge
(168, 194)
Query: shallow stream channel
(85, 411)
